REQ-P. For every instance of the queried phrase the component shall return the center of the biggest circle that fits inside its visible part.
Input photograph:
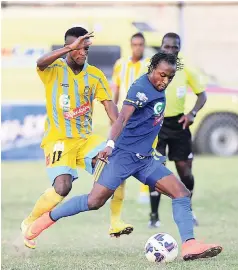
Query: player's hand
(81, 42)
(104, 154)
(187, 120)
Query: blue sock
(71, 207)
(183, 217)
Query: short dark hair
(169, 58)
(139, 35)
(75, 32)
(171, 35)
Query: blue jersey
(144, 125)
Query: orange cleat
(38, 226)
(192, 250)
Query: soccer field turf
(82, 242)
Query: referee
(175, 133)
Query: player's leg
(62, 171)
(86, 159)
(181, 153)
(77, 204)
(117, 226)
(155, 196)
(165, 182)
(107, 177)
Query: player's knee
(63, 185)
(181, 192)
(94, 203)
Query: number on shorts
(58, 154)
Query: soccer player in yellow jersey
(175, 131)
(125, 72)
(71, 86)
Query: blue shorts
(123, 164)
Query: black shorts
(179, 140)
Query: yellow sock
(47, 201)
(144, 189)
(116, 204)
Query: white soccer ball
(161, 247)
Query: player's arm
(117, 127)
(197, 85)
(47, 59)
(200, 102)
(44, 61)
(116, 130)
(116, 93)
(111, 110)
(104, 95)
(130, 104)
(116, 81)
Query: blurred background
(209, 42)
(209, 32)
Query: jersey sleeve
(49, 73)
(116, 75)
(195, 80)
(136, 97)
(103, 91)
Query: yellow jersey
(69, 99)
(177, 90)
(125, 72)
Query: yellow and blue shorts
(64, 156)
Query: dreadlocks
(166, 57)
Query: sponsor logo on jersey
(142, 97)
(159, 108)
(79, 111)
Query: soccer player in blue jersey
(129, 153)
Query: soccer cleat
(154, 221)
(38, 226)
(192, 250)
(28, 243)
(120, 228)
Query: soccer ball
(161, 247)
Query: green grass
(82, 242)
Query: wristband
(194, 113)
(111, 144)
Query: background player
(71, 86)
(141, 116)
(175, 131)
(125, 72)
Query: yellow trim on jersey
(69, 99)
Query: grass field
(82, 242)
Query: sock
(72, 207)
(47, 201)
(154, 201)
(116, 204)
(144, 189)
(183, 217)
